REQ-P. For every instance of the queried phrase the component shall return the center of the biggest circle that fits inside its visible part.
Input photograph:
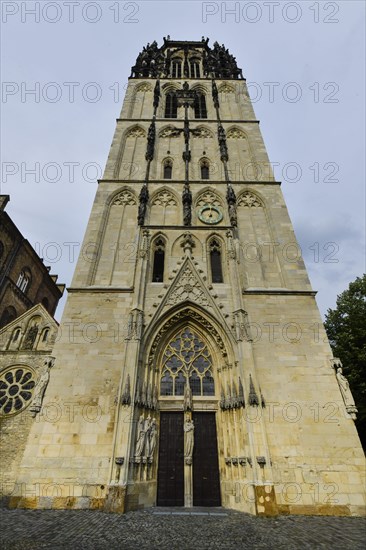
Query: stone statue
(150, 142)
(233, 215)
(222, 144)
(40, 390)
(187, 203)
(30, 337)
(188, 440)
(141, 437)
(346, 393)
(188, 404)
(143, 200)
(156, 94)
(231, 199)
(151, 440)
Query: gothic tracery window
(171, 105)
(187, 358)
(215, 261)
(16, 389)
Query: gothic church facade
(192, 367)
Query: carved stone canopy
(155, 62)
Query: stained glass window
(16, 390)
(187, 358)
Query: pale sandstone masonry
(293, 447)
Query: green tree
(346, 329)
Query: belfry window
(171, 105)
(187, 359)
(168, 169)
(24, 280)
(176, 68)
(195, 68)
(205, 170)
(200, 109)
(215, 261)
(159, 258)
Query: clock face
(210, 214)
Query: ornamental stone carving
(188, 288)
(201, 132)
(145, 243)
(253, 397)
(154, 61)
(226, 89)
(136, 132)
(169, 132)
(135, 325)
(143, 87)
(249, 200)
(124, 198)
(209, 198)
(235, 133)
(165, 198)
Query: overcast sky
(304, 64)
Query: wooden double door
(171, 468)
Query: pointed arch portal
(186, 353)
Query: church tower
(192, 367)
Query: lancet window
(200, 109)
(195, 68)
(159, 260)
(171, 105)
(176, 68)
(168, 169)
(216, 261)
(205, 170)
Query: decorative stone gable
(187, 287)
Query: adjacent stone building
(192, 366)
(24, 279)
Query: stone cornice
(181, 182)
(278, 291)
(99, 289)
(199, 121)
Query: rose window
(187, 357)
(16, 390)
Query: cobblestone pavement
(173, 529)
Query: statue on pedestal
(188, 440)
